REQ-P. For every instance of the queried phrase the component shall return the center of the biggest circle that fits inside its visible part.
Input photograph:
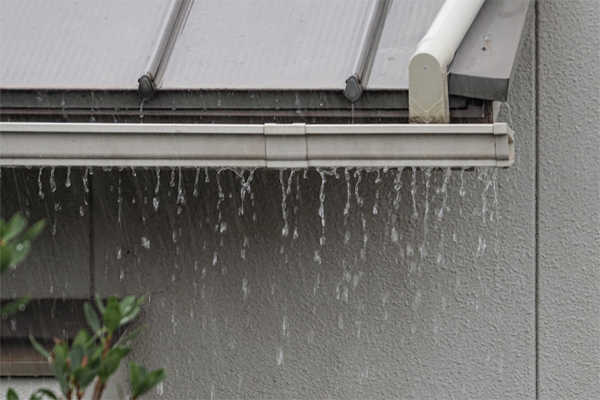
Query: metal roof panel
(405, 25)
(267, 44)
(76, 43)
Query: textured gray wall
(446, 308)
(569, 199)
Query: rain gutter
(256, 145)
(428, 68)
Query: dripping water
(347, 207)
(413, 192)
(483, 176)
(195, 193)
(180, 189)
(119, 200)
(245, 188)
(155, 200)
(142, 112)
(423, 247)
(40, 188)
(68, 180)
(285, 231)
(396, 204)
(86, 189)
(321, 211)
(52, 181)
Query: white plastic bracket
(428, 69)
(504, 142)
(285, 145)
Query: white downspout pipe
(428, 69)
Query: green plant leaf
(151, 380)
(82, 338)
(112, 315)
(39, 347)
(76, 355)
(84, 376)
(14, 306)
(99, 303)
(134, 377)
(11, 395)
(3, 228)
(61, 369)
(91, 317)
(15, 226)
(136, 332)
(40, 393)
(112, 361)
(5, 258)
(125, 305)
(33, 232)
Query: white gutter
(428, 69)
(268, 145)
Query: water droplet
(40, 188)
(481, 247)
(68, 180)
(245, 288)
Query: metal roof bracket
(149, 81)
(428, 70)
(357, 81)
(285, 145)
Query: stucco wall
(569, 199)
(496, 297)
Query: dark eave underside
(194, 106)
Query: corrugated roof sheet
(406, 24)
(76, 44)
(268, 44)
(243, 45)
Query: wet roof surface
(243, 45)
(76, 44)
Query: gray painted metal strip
(484, 61)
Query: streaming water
(40, 187)
(68, 179)
(142, 112)
(52, 181)
(413, 192)
(322, 206)
(412, 211)
(285, 231)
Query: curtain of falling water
(394, 212)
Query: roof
(295, 53)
